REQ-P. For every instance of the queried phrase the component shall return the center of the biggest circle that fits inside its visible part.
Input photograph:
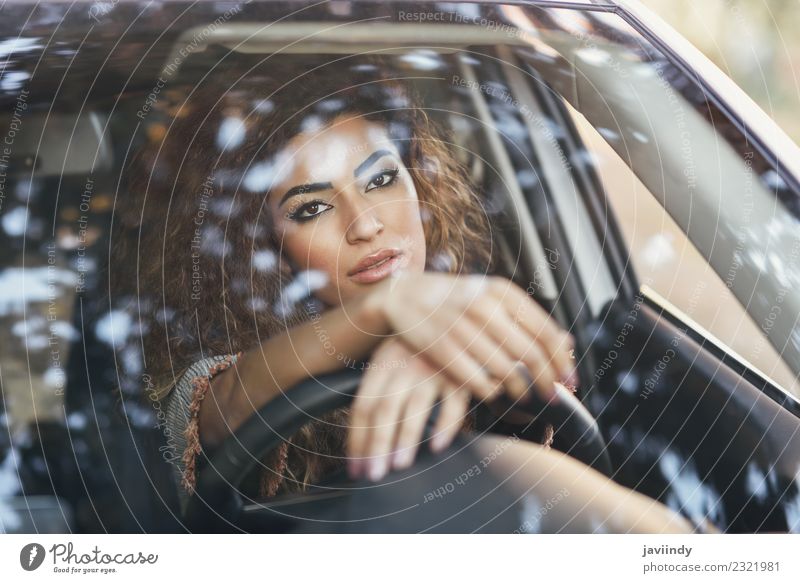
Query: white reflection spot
(225, 206)
(9, 486)
(76, 421)
(263, 106)
(644, 70)
(586, 158)
(471, 11)
(688, 493)
(257, 304)
(259, 177)
(13, 80)
(254, 230)
(264, 260)
(330, 105)
(423, 60)
(14, 221)
(792, 510)
(300, 288)
(531, 518)
(658, 250)
(792, 507)
(597, 526)
(165, 315)
(527, 178)
(608, 134)
(442, 262)
(311, 124)
(131, 359)
(594, 56)
(214, 242)
(36, 342)
(629, 383)
(756, 483)
(140, 416)
(364, 68)
(773, 180)
(23, 328)
(231, 134)
(758, 259)
(20, 286)
(64, 330)
(468, 59)
(19, 45)
(114, 327)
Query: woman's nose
(365, 224)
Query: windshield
(156, 177)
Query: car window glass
(665, 260)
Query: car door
(703, 214)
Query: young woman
(301, 218)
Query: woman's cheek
(316, 251)
(412, 228)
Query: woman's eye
(309, 210)
(382, 179)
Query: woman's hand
(392, 406)
(483, 333)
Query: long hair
(205, 251)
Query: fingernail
(554, 396)
(570, 377)
(525, 373)
(354, 467)
(377, 468)
(574, 380)
(402, 458)
(439, 442)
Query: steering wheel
(216, 505)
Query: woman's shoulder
(204, 368)
(182, 406)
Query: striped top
(177, 405)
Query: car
(635, 192)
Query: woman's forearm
(338, 336)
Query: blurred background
(755, 42)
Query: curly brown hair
(199, 230)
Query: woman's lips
(380, 270)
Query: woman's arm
(483, 332)
(574, 498)
(342, 334)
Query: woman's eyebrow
(371, 159)
(304, 189)
(317, 186)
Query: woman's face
(346, 207)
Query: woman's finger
(540, 325)
(434, 339)
(500, 365)
(413, 419)
(520, 346)
(446, 352)
(557, 346)
(384, 424)
(454, 407)
(368, 397)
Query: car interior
(660, 409)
